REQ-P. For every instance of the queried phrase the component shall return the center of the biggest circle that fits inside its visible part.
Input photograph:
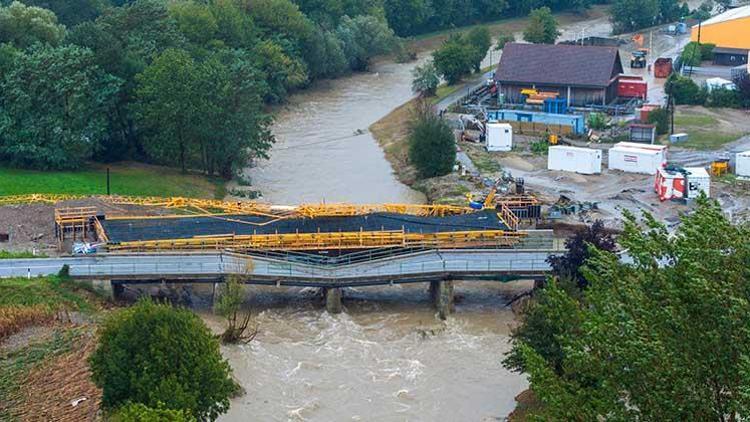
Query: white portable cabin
(687, 183)
(575, 159)
(742, 165)
(499, 137)
(633, 157)
(698, 180)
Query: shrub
(432, 146)
(157, 355)
(694, 53)
(723, 97)
(660, 118)
(684, 90)
(597, 121)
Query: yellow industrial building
(730, 32)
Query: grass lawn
(705, 131)
(700, 139)
(125, 179)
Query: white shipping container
(575, 159)
(637, 158)
(698, 181)
(499, 137)
(742, 165)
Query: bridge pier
(333, 299)
(441, 293)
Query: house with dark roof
(584, 75)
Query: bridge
(327, 246)
(436, 266)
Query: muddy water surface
(386, 358)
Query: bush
(694, 53)
(137, 412)
(502, 39)
(684, 90)
(597, 121)
(723, 97)
(432, 147)
(539, 147)
(660, 118)
(157, 355)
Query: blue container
(574, 121)
(556, 105)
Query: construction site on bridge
(134, 224)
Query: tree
(663, 337)
(577, 251)
(694, 53)
(229, 305)
(542, 27)
(502, 39)
(425, 79)
(407, 17)
(659, 118)
(631, 15)
(161, 356)
(54, 103)
(453, 59)
(72, 12)
(137, 412)
(170, 104)
(683, 90)
(479, 41)
(364, 37)
(432, 146)
(23, 26)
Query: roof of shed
(558, 64)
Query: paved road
(420, 266)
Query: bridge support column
(333, 300)
(117, 291)
(441, 293)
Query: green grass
(698, 139)
(125, 179)
(54, 292)
(694, 120)
(20, 254)
(445, 90)
(483, 160)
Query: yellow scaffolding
(328, 241)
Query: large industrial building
(583, 75)
(730, 32)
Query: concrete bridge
(439, 267)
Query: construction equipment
(720, 167)
(638, 58)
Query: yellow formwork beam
(328, 241)
(336, 210)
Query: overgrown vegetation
(660, 119)
(694, 53)
(181, 369)
(20, 254)
(597, 121)
(432, 147)
(660, 338)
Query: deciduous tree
(425, 79)
(163, 358)
(23, 25)
(432, 146)
(542, 27)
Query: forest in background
(186, 83)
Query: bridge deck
(414, 267)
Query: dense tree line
(631, 15)
(661, 335)
(182, 83)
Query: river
(387, 358)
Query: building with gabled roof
(583, 75)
